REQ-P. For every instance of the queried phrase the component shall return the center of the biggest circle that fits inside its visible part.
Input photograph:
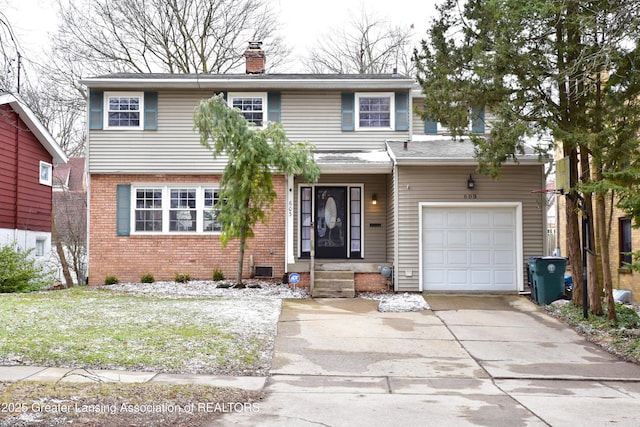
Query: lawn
(621, 338)
(96, 328)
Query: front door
(331, 222)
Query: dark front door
(331, 222)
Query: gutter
(248, 84)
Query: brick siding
(622, 278)
(130, 257)
(364, 282)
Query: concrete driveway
(480, 361)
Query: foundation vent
(263, 271)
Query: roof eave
(351, 168)
(127, 83)
(36, 127)
(427, 161)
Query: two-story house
(393, 191)
(28, 155)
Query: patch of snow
(209, 288)
(398, 302)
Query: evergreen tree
(254, 155)
(541, 68)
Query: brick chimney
(255, 58)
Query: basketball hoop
(544, 196)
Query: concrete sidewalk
(492, 361)
(37, 373)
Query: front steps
(334, 284)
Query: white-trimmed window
(175, 209)
(253, 106)
(148, 209)
(211, 210)
(41, 243)
(123, 110)
(375, 111)
(182, 211)
(46, 173)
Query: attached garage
(471, 247)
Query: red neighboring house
(29, 153)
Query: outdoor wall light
(471, 184)
(374, 199)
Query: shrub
(147, 278)
(111, 280)
(182, 278)
(218, 275)
(18, 273)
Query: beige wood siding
(448, 184)
(312, 116)
(375, 238)
(315, 117)
(172, 149)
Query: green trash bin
(547, 275)
(532, 284)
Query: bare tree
(172, 36)
(9, 56)
(61, 110)
(367, 44)
(69, 228)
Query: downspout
(394, 179)
(312, 261)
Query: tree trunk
(604, 255)
(595, 296)
(573, 232)
(60, 251)
(242, 238)
(593, 284)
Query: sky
(307, 21)
(303, 22)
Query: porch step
(334, 284)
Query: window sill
(377, 130)
(625, 270)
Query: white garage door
(469, 249)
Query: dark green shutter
(430, 126)
(123, 222)
(348, 111)
(273, 107)
(477, 119)
(96, 105)
(150, 110)
(402, 110)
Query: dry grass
(116, 404)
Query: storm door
(331, 227)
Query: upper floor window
(46, 173)
(374, 111)
(124, 110)
(253, 106)
(476, 123)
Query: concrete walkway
(482, 361)
(37, 373)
